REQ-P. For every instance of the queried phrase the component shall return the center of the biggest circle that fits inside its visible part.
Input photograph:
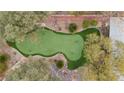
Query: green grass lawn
(46, 42)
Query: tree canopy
(14, 25)
(101, 61)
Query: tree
(60, 64)
(72, 27)
(14, 25)
(32, 71)
(99, 59)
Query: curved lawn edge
(75, 64)
(81, 33)
(88, 31)
(72, 64)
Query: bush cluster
(88, 23)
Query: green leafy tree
(14, 25)
(72, 27)
(99, 64)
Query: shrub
(86, 23)
(60, 64)
(93, 22)
(72, 27)
(3, 67)
(3, 62)
(3, 58)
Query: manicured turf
(46, 42)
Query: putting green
(46, 42)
